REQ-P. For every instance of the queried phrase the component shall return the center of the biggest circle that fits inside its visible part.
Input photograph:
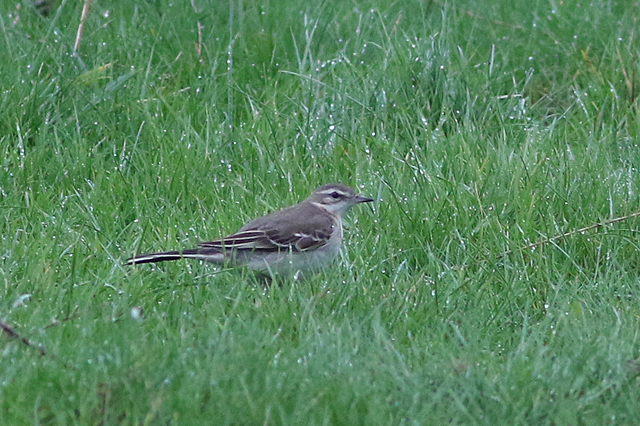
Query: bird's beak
(360, 199)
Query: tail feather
(208, 255)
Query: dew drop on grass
(136, 313)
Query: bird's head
(336, 198)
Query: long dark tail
(208, 255)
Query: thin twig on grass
(15, 335)
(570, 233)
(83, 18)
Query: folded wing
(279, 233)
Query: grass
(479, 127)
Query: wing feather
(277, 232)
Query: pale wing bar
(269, 240)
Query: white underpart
(291, 262)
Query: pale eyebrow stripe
(329, 191)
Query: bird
(298, 240)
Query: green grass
(478, 126)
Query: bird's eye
(335, 194)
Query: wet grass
(478, 128)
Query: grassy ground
(479, 127)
